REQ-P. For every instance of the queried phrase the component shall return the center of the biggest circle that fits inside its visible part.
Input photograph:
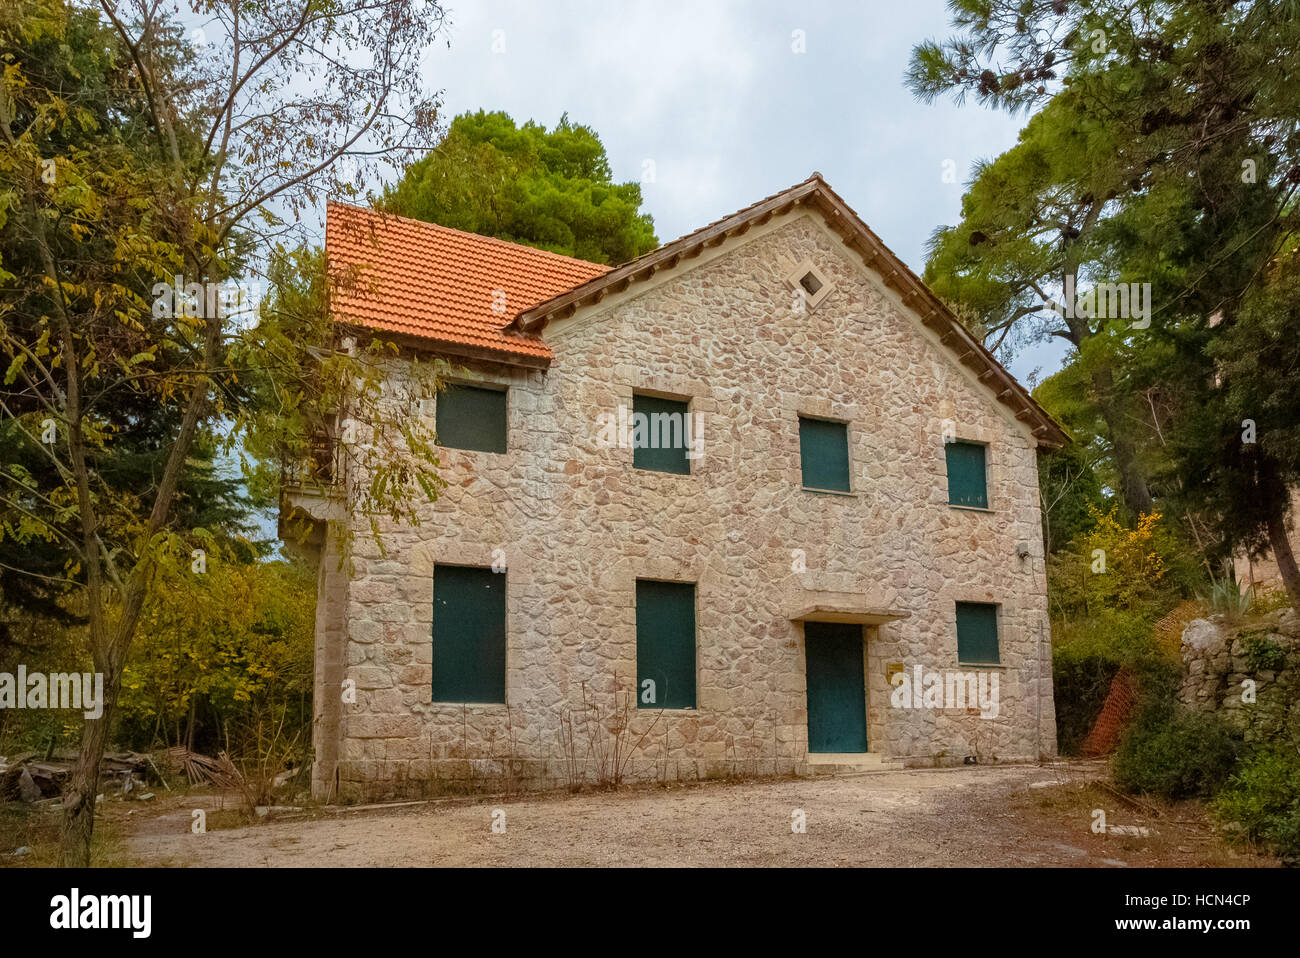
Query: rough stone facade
(578, 525)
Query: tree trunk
(1132, 484)
(189, 731)
(1282, 554)
(1133, 488)
(83, 785)
(110, 652)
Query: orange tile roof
(421, 279)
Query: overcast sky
(715, 96)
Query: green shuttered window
(977, 633)
(966, 475)
(665, 645)
(470, 417)
(469, 634)
(659, 440)
(824, 454)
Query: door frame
(861, 631)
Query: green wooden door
(469, 634)
(665, 645)
(837, 698)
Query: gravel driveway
(997, 815)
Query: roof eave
(442, 347)
(665, 257)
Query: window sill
(971, 508)
(981, 665)
(438, 704)
(850, 494)
(667, 708)
(662, 472)
(488, 452)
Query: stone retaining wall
(1224, 665)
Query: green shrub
(1114, 634)
(1086, 655)
(1080, 684)
(1175, 753)
(1263, 798)
(1262, 653)
(1159, 679)
(1269, 600)
(1110, 566)
(217, 655)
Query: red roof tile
(421, 279)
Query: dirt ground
(997, 815)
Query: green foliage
(216, 647)
(1111, 568)
(1269, 600)
(1070, 490)
(1262, 799)
(1175, 753)
(1010, 246)
(1080, 683)
(1117, 636)
(1246, 479)
(1072, 480)
(42, 645)
(1236, 448)
(1106, 590)
(128, 161)
(1164, 151)
(75, 145)
(1262, 653)
(552, 189)
(1252, 353)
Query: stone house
(752, 503)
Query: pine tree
(552, 189)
